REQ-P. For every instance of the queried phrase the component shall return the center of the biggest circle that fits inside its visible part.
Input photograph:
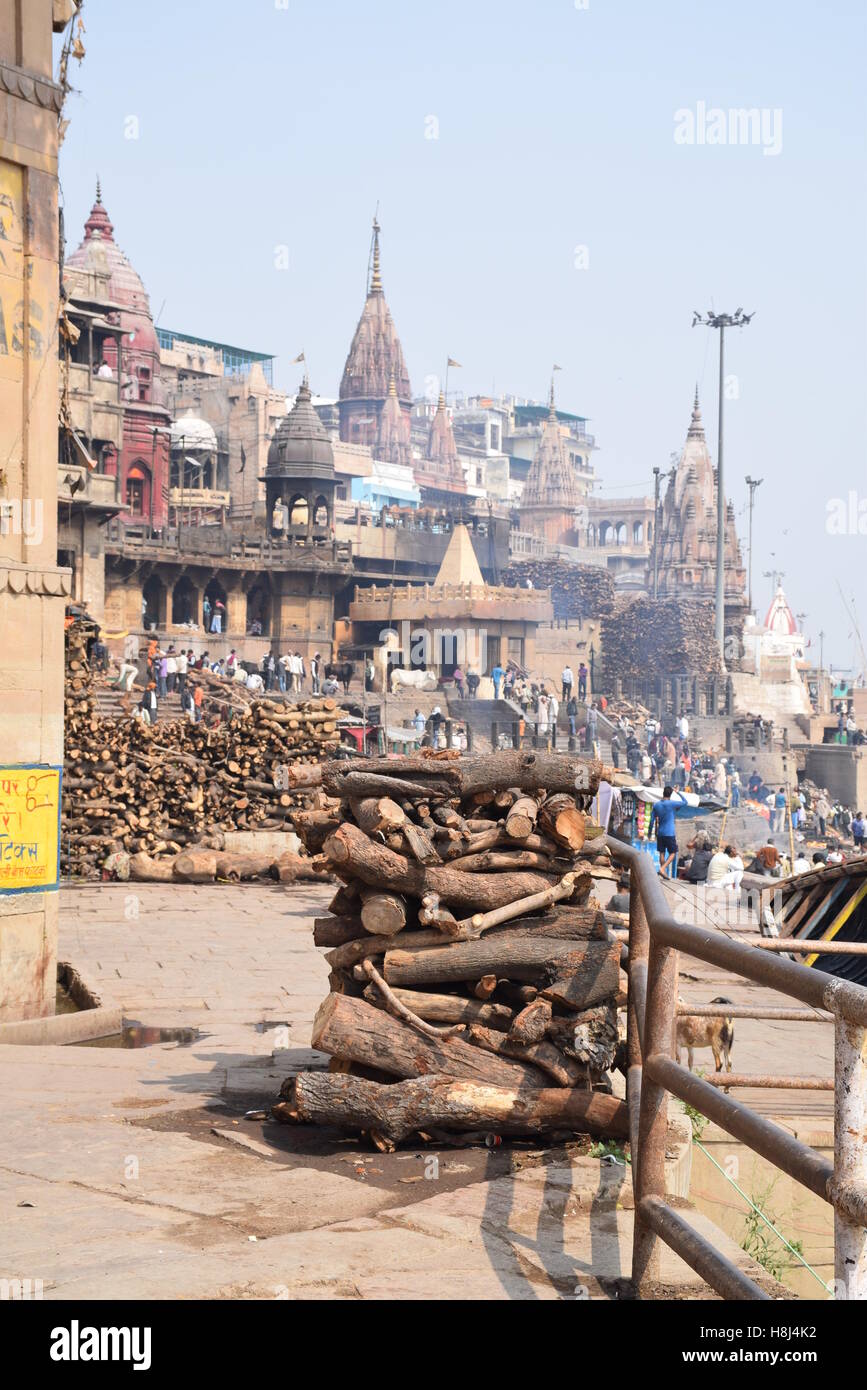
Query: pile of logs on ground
(156, 790)
(577, 591)
(474, 980)
(656, 637)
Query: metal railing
(653, 1074)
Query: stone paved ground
(132, 1173)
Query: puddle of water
(137, 1035)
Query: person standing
(181, 664)
(823, 813)
(662, 816)
(171, 670)
(198, 701)
(419, 722)
(859, 831)
(316, 672)
(162, 676)
(736, 788)
(566, 680)
(572, 715)
(206, 611)
(149, 704)
(459, 682)
(582, 682)
(592, 730)
(615, 749)
(497, 678)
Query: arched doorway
(214, 612)
(321, 518)
(153, 604)
(185, 601)
(259, 611)
(138, 490)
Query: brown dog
(715, 1033)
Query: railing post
(850, 1155)
(653, 1113)
(639, 949)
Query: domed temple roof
(99, 251)
(301, 447)
(190, 432)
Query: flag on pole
(243, 459)
(556, 368)
(299, 358)
(452, 363)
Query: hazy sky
(554, 217)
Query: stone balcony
(417, 601)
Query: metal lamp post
(721, 321)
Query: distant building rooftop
(236, 361)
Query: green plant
(697, 1120)
(610, 1147)
(764, 1245)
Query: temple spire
(376, 278)
(98, 190)
(696, 428)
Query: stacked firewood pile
(577, 591)
(474, 980)
(659, 637)
(152, 791)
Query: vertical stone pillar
(33, 589)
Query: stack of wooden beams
(155, 790)
(474, 981)
(660, 637)
(577, 591)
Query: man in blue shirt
(662, 816)
(496, 677)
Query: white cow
(412, 680)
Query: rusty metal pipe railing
(653, 1075)
(741, 1011)
(714, 1267)
(767, 1139)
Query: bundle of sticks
(154, 790)
(577, 591)
(658, 637)
(474, 979)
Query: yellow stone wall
(32, 588)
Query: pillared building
(143, 463)
(688, 526)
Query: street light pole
(752, 484)
(721, 321)
(656, 474)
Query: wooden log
(195, 866)
(419, 844)
(521, 820)
(336, 931)
(564, 1071)
(490, 860)
(378, 813)
(382, 914)
(405, 1108)
(484, 988)
(449, 1008)
(561, 819)
(531, 1023)
(144, 869)
(585, 972)
(353, 1029)
(354, 854)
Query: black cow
(342, 671)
